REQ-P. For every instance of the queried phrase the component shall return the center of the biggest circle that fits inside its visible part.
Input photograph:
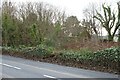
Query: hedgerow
(39, 50)
(110, 54)
(107, 59)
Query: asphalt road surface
(22, 68)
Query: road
(22, 68)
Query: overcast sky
(72, 7)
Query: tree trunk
(110, 38)
(119, 36)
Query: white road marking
(10, 66)
(49, 76)
(51, 70)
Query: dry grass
(91, 45)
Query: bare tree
(89, 13)
(109, 20)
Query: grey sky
(72, 7)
